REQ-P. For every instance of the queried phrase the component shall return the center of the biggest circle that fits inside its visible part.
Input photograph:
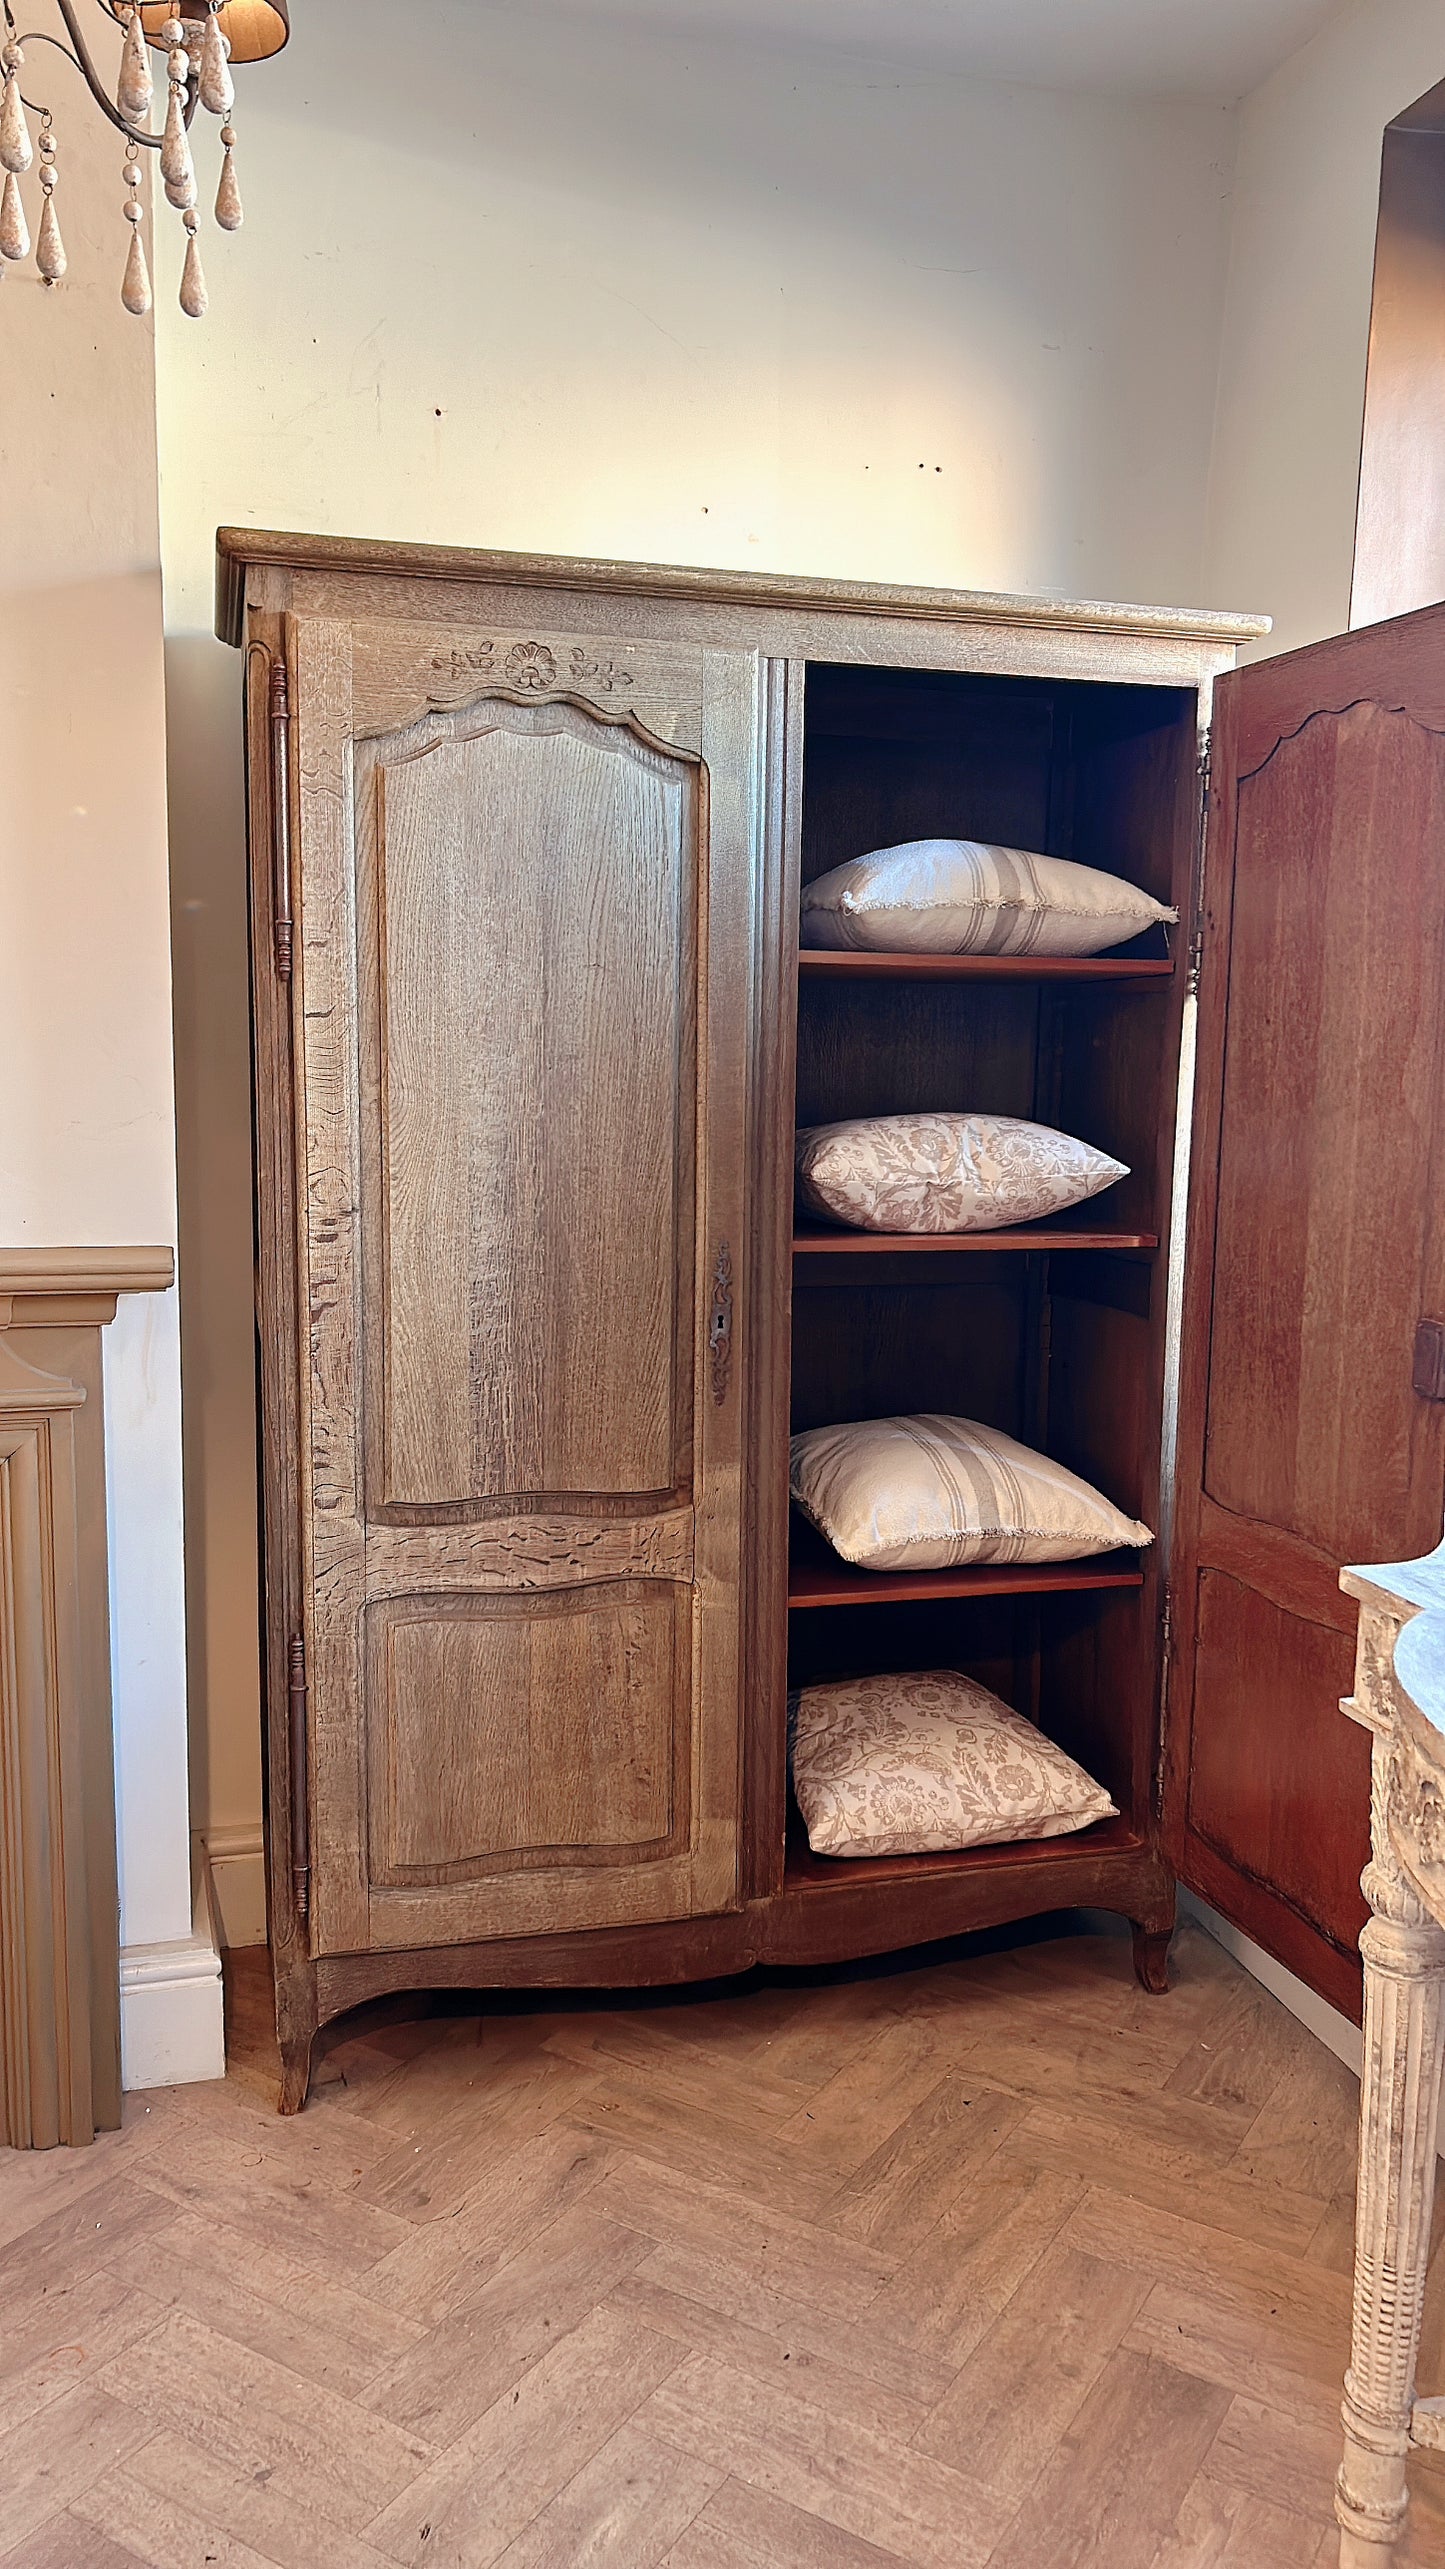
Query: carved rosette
(532, 666)
(1373, 1701)
(1415, 1808)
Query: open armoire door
(1312, 1408)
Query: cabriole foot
(295, 2073)
(1151, 1958)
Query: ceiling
(1214, 48)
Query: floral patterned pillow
(945, 1172)
(916, 1764)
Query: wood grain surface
(46, 2058)
(529, 873)
(243, 548)
(816, 963)
(1318, 1243)
(62, 1339)
(508, 1531)
(990, 2260)
(1067, 1232)
(1068, 1353)
(530, 1327)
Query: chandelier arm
(83, 65)
(88, 72)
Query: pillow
(945, 1172)
(930, 1493)
(962, 896)
(914, 1765)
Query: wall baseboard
(237, 1862)
(1335, 2031)
(172, 2023)
(171, 2005)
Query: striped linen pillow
(966, 896)
(932, 1493)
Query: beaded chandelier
(200, 40)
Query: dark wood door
(522, 972)
(1317, 1247)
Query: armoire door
(523, 883)
(1312, 1431)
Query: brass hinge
(296, 1695)
(280, 718)
(1195, 961)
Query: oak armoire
(535, 1313)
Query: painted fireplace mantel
(59, 1928)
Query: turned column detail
(1404, 1956)
(1403, 1947)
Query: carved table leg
(1404, 1955)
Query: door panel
(1327, 1109)
(1316, 1244)
(524, 958)
(531, 869)
(1269, 1796)
(555, 1719)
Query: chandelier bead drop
(50, 256)
(135, 89)
(135, 290)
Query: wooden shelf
(831, 1907)
(820, 1240)
(824, 964)
(809, 1873)
(817, 1577)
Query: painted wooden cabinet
(535, 1314)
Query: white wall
(511, 280)
(87, 1132)
(579, 286)
(1292, 360)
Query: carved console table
(59, 1931)
(1400, 1697)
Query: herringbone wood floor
(997, 2262)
